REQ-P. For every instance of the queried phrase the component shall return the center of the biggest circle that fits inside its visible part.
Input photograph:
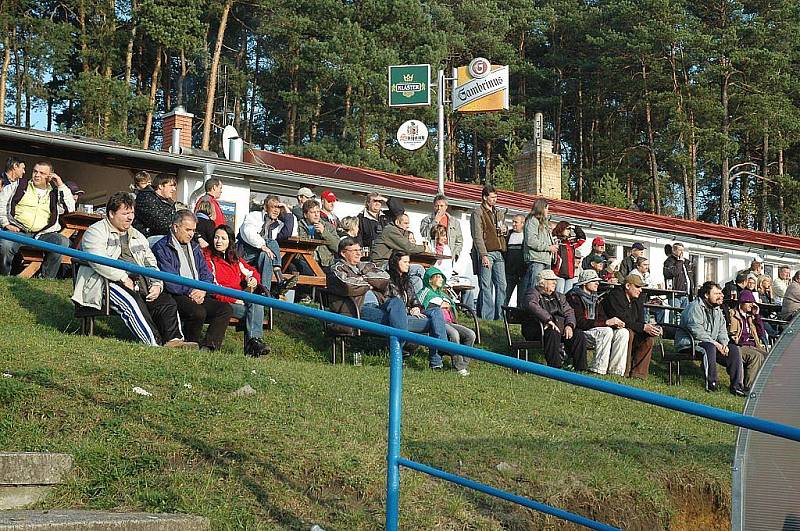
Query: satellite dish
(228, 133)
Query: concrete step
(27, 477)
(64, 520)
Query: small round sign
(479, 67)
(412, 135)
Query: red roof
(518, 200)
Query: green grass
(310, 446)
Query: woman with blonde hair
(538, 246)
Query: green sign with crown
(409, 85)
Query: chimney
(177, 120)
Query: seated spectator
(791, 299)
(598, 264)
(433, 295)
(326, 209)
(421, 320)
(608, 337)
(642, 270)
(765, 290)
(441, 217)
(704, 320)
(76, 192)
(303, 195)
(371, 220)
(141, 181)
(745, 331)
(628, 265)
(625, 303)
(751, 284)
(348, 227)
(206, 223)
(569, 238)
(176, 253)
(396, 237)
(598, 248)
(756, 267)
(213, 191)
(515, 259)
(678, 274)
(258, 242)
(313, 227)
(734, 287)
(145, 308)
(353, 284)
(232, 272)
(29, 206)
(14, 171)
(155, 207)
(441, 246)
(780, 284)
(545, 305)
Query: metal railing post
(393, 450)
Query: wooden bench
(32, 260)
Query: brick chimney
(177, 119)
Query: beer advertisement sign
(481, 87)
(409, 85)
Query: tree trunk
(487, 153)
(4, 74)
(212, 76)
(129, 62)
(317, 112)
(181, 79)
(782, 225)
(651, 145)
(148, 125)
(765, 179)
(18, 80)
(725, 201)
(559, 112)
(581, 152)
(362, 123)
(348, 101)
(251, 118)
(476, 171)
(167, 81)
(84, 46)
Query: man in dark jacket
(628, 265)
(155, 207)
(177, 253)
(371, 221)
(625, 303)
(679, 272)
(548, 307)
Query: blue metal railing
(394, 460)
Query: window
(710, 272)
(769, 271)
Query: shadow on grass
(47, 309)
(627, 510)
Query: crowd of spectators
(571, 303)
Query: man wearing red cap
(598, 248)
(326, 212)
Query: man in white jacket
(258, 239)
(146, 309)
(30, 207)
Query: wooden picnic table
(294, 247)
(427, 259)
(73, 226)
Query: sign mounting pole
(440, 133)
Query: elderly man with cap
(371, 220)
(704, 320)
(303, 195)
(328, 201)
(598, 248)
(628, 265)
(608, 337)
(545, 305)
(745, 328)
(625, 302)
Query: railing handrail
(394, 460)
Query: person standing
(155, 207)
(515, 261)
(488, 238)
(326, 212)
(538, 247)
(371, 220)
(441, 217)
(303, 195)
(569, 238)
(780, 284)
(628, 265)
(678, 273)
(178, 254)
(213, 188)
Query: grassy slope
(309, 447)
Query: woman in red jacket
(232, 272)
(569, 239)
